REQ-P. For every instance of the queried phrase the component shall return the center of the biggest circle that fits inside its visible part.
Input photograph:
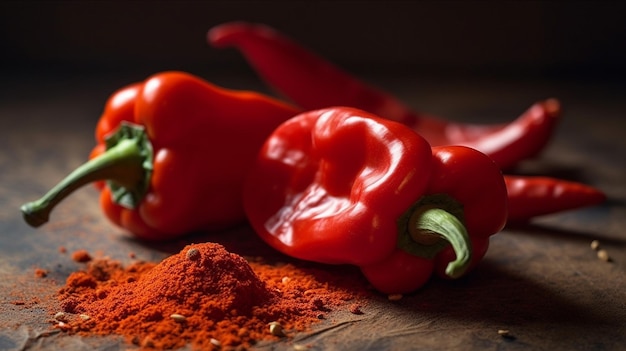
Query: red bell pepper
(343, 186)
(175, 149)
(314, 83)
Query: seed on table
(84, 317)
(595, 245)
(505, 333)
(178, 318)
(60, 316)
(276, 329)
(193, 254)
(604, 256)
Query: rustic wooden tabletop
(541, 282)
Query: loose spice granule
(355, 308)
(394, 297)
(41, 273)
(27, 302)
(226, 301)
(81, 256)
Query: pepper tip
(552, 107)
(223, 35)
(455, 271)
(31, 216)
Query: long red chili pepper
(313, 83)
(531, 196)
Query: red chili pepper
(314, 83)
(175, 150)
(342, 186)
(531, 196)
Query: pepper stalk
(430, 225)
(126, 165)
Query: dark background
(561, 39)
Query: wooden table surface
(542, 282)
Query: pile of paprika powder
(203, 296)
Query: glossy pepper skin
(534, 196)
(313, 83)
(197, 142)
(343, 186)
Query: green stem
(442, 224)
(431, 224)
(126, 164)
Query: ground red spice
(203, 296)
(81, 256)
(41, 273)
(355, 308)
